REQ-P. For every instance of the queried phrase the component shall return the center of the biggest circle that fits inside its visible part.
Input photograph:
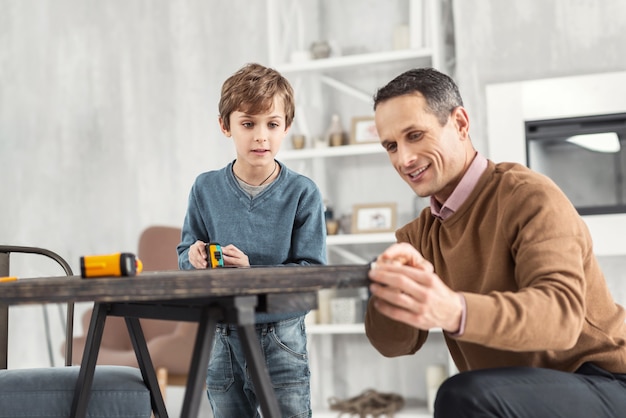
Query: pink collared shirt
(462, 190)
(450, 206)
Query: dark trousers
(524, 392)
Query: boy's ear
(223, 127)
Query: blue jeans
(229, 385)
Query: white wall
(503, 41)
(108, 111)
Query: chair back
(5, 251)
(157, 248)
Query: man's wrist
(461, 327)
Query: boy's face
(258, 137)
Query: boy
(261, 213)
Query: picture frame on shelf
(363, 130)
(374, 217)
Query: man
(502, 262)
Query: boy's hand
(233, 256)
(197, 255)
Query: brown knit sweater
(523, 258)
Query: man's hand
(407, 290)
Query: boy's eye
(248, 124)
(273, 125)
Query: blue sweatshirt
(282, 225)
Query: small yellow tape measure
(215, 257)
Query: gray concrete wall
(504, 41)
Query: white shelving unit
(329, 152)
(286, 34)
(324, 334)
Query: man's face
(431, 158)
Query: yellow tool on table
(214, 255)
(117, 265)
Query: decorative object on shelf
(298, 141)
(324, 296)
(346, 310)
(374, 217)
(328, 210)
(332, 226)
(320, 49)
(436, 374)
(345, 223)
(363, 130)
(335, 132)
(368, 403)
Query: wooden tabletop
(183, 285)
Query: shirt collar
(462, 190)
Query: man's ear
(461, 121)
(223, 126)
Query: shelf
(341, 151)
(354, 60)
(347, 239)
(336, 328)
(358, 328)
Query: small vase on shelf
(335, 132)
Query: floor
(174, 401)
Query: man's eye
(391, 147)
(415, 136)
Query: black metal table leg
(242, 314)
(4, 316)
(145, 365)
(258, 370)
(200, 360)
(82, 391)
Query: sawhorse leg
(145, 365)
(200, 361)
(258, 370)
(242, 314)
(84, 382)
(82, 391)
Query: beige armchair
(170, 343)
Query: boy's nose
(261, 134)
